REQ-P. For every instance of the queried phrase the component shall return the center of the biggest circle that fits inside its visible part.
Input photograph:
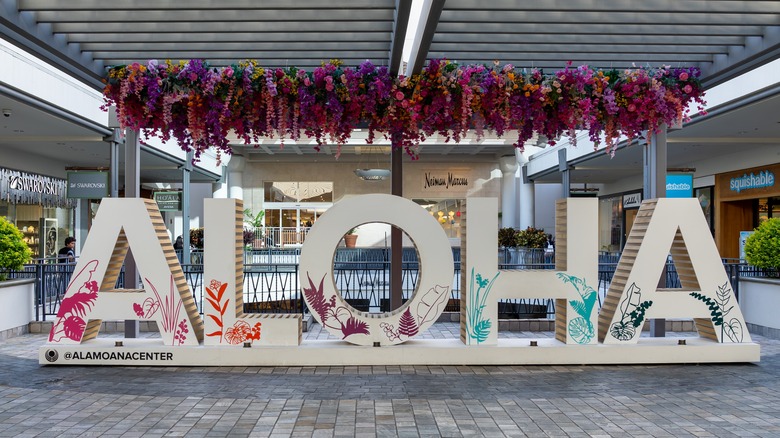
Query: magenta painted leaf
(316, 298)
(149, 307)
(354, 326)
(138, 309)
(76, 305)
(74, 327)
(406, 325)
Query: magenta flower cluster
(201, 106)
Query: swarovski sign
(29, 188)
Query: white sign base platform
(151, 352)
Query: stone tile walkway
(732, 400)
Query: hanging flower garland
(200, 106)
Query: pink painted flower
(687, 89)
(399, 95)
(683, 76)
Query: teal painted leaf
(581, 330)
(579, 307)
(481, 330)
(589, 299)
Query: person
(178, 244)
(68, 253)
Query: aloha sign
(224, 335)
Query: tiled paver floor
(739, 400)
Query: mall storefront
(293, 195)
(617, 212)
(39, 207)
(744, 198)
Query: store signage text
(446, 182)
(29, 188)
(34, 183)
(679, 186)
(168, 201)
(632, 200)
(87, 185)
(765, 178)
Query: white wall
(33, 163)
(28, 73)
(17, 305)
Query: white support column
(235, 177)
(525, 193)
(219, 190)
(508, 166)
(132, 190)
(655, 187)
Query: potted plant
(762, 248)
(759, 296)
(532, 240)
(17, 295)
(255, 223)
(14, 253)
(350, 239)
(507, 245)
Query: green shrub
(507, 237)
(532, 238)
(762, 248)
(14, 253)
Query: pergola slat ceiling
(544, 34)
(608, 33)
(277, 33)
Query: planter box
(17, 304)
(759, 299)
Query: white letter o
(433, 285)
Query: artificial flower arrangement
(200, 105)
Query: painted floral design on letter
(241, 331)
(169, 308)
(731, 329)
(632, 314)
(70, 322)
(332, 316)
(427, 309)
(581, 328)
(478, 327)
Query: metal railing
(272, 283)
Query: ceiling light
(372, 174)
